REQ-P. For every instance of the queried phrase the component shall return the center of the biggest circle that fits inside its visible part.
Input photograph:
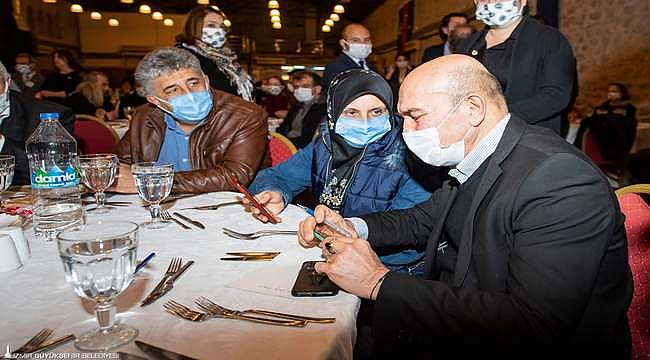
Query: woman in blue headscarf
(356, 166)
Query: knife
(165, 285)
(249, 258)
(193, 222)
(160, 353)
(254, 253)
(213, 207)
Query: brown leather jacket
(233, 139)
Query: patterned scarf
(226, 60)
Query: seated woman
(356, 165)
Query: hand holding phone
(250, 197)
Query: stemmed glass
(98, 173)
(154, 183)
(99, 260)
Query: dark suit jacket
(433, 52)
(22, 121)
(542, 261)
(339, 65)
(542, 72)
(310, 122)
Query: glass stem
(105, 311)
(100, 196)
(154, 209)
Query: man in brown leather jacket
(207, 134)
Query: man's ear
(343, 44)
(445, 30)
(476, 109)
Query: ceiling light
(339, 9)
(49, 1)
(227, 23)
(329, 22)
(274, 12)
(144, 9)
(335, 17)
(113, 22)
(126, 1)
(273, 4)
(96, 15)
(168, 22)
(157, 15)
(326, 28)
(76, 8)
(277, 25)
(275, 19)
(286, 77)
(203, 2)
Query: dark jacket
(232, 139)
(314, 117)
(433, 52)
(542, 72)
(22, 121)
(78, 103)
(339, 65)
(542, 262)
(37, 82)
(218, 79)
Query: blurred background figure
(93, 97)
(460, 33)
(447, 25)
(62, 83)
(27, 78)
(396, 74)
(356, 43)
(275, 97)
(205, 36)
(129, 98)
(304, 118)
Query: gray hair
(4, 75)
(164, 61)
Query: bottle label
(55, 178)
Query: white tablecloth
(37, 296)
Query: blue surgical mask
(359, 133)
(190, 108)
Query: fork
(206, 303)
(185, 312)
(257, 234)
(167, 216)
(34, 342)
(172, 269)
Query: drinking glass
(98, 173)
(99, 260)
(154, 183)
(7, 164)
(128, 112)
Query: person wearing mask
(533, 62)
(207, 134)
(306, 116)
(206, 37)
(447, 25)
(61, 84)
(357, 46)
(276, 101)
(19, 117)
(93, 97)
(396, 74)
(129, 98)
(27, 78)
(356, 166)
(534, 262)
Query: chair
(94, 136)
(281, 148)
(637, 228)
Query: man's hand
(124, 182)
(353, 266)
(306, 228)
(271, 200)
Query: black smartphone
(311, 283)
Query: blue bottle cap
(49, 116)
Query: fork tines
(35, 341)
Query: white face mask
(303, 94)
(214, 36)
(272, 89)
(499, 14)
(4, 102)
(23, 69)
(402, 64)
(426, 145)
(359, 51)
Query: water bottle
(53, 165)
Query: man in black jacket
(303, 119)
(357, 46)
(447, 25)
(526, 247)
(19, 117)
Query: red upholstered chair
(281, 148)
(637, 227)
(94, 136)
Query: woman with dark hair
(61, 84)
(356, 165)
(205, 36)
(276, 97)
(396, 74)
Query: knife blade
(160, 353)
(214, 207)
(254, 253)
(165, 285)
(249, 258)
(193, 222)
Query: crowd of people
(449, 176)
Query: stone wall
(611, 40)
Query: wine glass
(154, 183)
(99, 261)
(128, 112)
(98, 173)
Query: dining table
(37, 296)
